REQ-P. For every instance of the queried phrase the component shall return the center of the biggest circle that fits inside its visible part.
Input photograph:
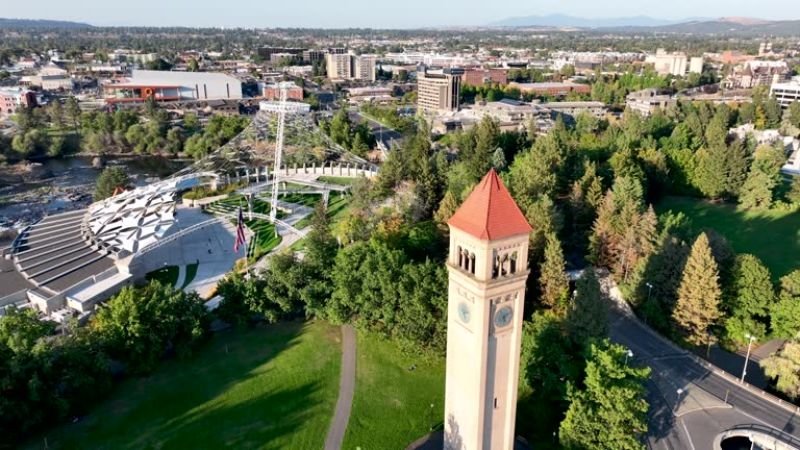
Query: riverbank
(29, 191)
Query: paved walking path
(347, 384)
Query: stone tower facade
(487, 268)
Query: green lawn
(265, 238)
(773, 236)
(342, 181)
(310, 200)
(168, 275)
(392, 404)
(272, 387)
(337, 205)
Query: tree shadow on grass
(206, 401)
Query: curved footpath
(692, 401)
(347, 384)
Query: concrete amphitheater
(65, 264)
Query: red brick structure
(271, 92)
(479, 77)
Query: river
(64, 184)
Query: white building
(174, 86)
(696, 65)
(291, 107)
(669, 63)
(348, 66)
(572, 109)
(52, 78)
(786, 93)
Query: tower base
(435, 441)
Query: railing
(175, 236)
(769, 431)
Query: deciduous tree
(784, 367)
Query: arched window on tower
(472, 263)
(504, 265)
(513, 262)
(460, 257)
(495, 264)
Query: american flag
(240, 237)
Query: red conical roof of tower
(489, 213)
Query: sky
(374, 13)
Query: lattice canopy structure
(126, 223)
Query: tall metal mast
(273, 211)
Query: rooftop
(489, 213)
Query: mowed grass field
(272, 387)
(393, 396)
(773, 236)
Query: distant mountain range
(29, 23)
(724, 25)
(565, 21)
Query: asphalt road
(691, 401)
(381, 133)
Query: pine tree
(749, 300)
(447, 208)
(699, 294)
(710, 175)
(738, 163)
(758, 191)
(588, 316)
(611, 412)
(499, 159)
(661, 280)
(553, 281)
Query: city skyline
(361, 13)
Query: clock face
(463, 312)
(503, 317)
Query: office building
(266, 52)
(439, 90)
(553, 89)
(786, 93)
(52, 78)
(669, 63)
(696, 65)
(11, 98)
(173, 86)
(647, 101)
(347, 66)
(339, 66)
(480, 77)
(573, 109)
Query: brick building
(479, 77)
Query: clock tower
(488, 267)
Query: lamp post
(628, 354)
(678, 400)
(750, 340)
(649, 290)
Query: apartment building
(439, 90)
(786, 93)
(347, 66)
